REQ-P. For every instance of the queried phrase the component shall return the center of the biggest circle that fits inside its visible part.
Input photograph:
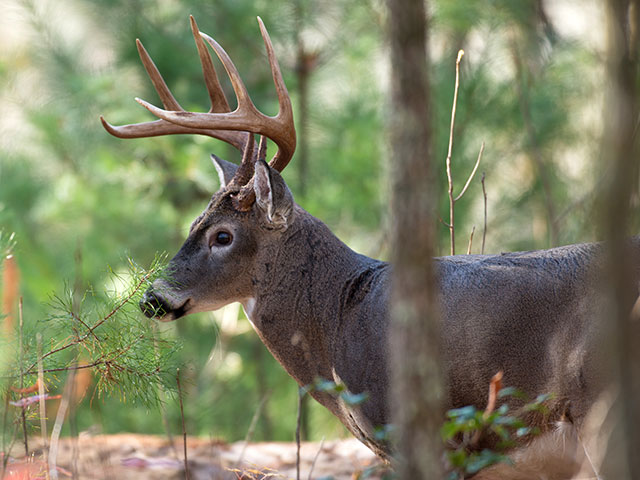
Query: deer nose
(153, 305)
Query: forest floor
(147, 457)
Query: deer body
(323, 310)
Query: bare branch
(473, 230)
(484, 230)
(315, 459)
(89, 329)
(184, 430)
(443, 222)
(24, 418)
(473, 172)
(252, 427)
(57, 426)
(448, 162)
(301, 393)
(43, 413)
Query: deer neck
(296, 308)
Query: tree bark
(304, 67)
(415, 361)
(621, 149)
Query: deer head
(253, 207)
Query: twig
(448, 161)
(57, 426)
(484, 229)
(5, 450)
(89, 329)
(443, 222)
(161, 394)
(301, 393)
(495, 385)
(494, 389)
(104, 359)
(313, 464)
(43, 412)
(73, 419)
(473, 172)
(184, 430)
(5, 458)
(252, 427)
(24, 416)
(471, 240)
(452, 199)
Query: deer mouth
(154, 306)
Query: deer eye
(221, 238)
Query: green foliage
(337, 390)
(103, 333)
(468, 427)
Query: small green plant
(337, 390)
(466, 427)
(100, 332)
(104, 333)
(97, 332)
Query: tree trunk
(417, 385)
(304, 67)
(622, 151)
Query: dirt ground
(146, 457)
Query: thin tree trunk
(303, 73)
(533, 148)
(621, 149)
(415, 366)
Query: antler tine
(262, 148)
(236, 82)
(219, 101)
(285, 112)
(161, 127)
(236, 128)
(168, 100)
(246, 117)
(246, 169)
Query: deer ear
(273, 197)
(226, 170)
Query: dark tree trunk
(622, 153)
(417, 385)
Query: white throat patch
(249, 307)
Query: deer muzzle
(153, 305)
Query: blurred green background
(80, 201)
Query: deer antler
(235, 128)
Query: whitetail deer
(322, 309)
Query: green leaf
(484, 459)
(354, 398)
(458, 458)
(465, 413)
(450, 429)
(511, 392)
